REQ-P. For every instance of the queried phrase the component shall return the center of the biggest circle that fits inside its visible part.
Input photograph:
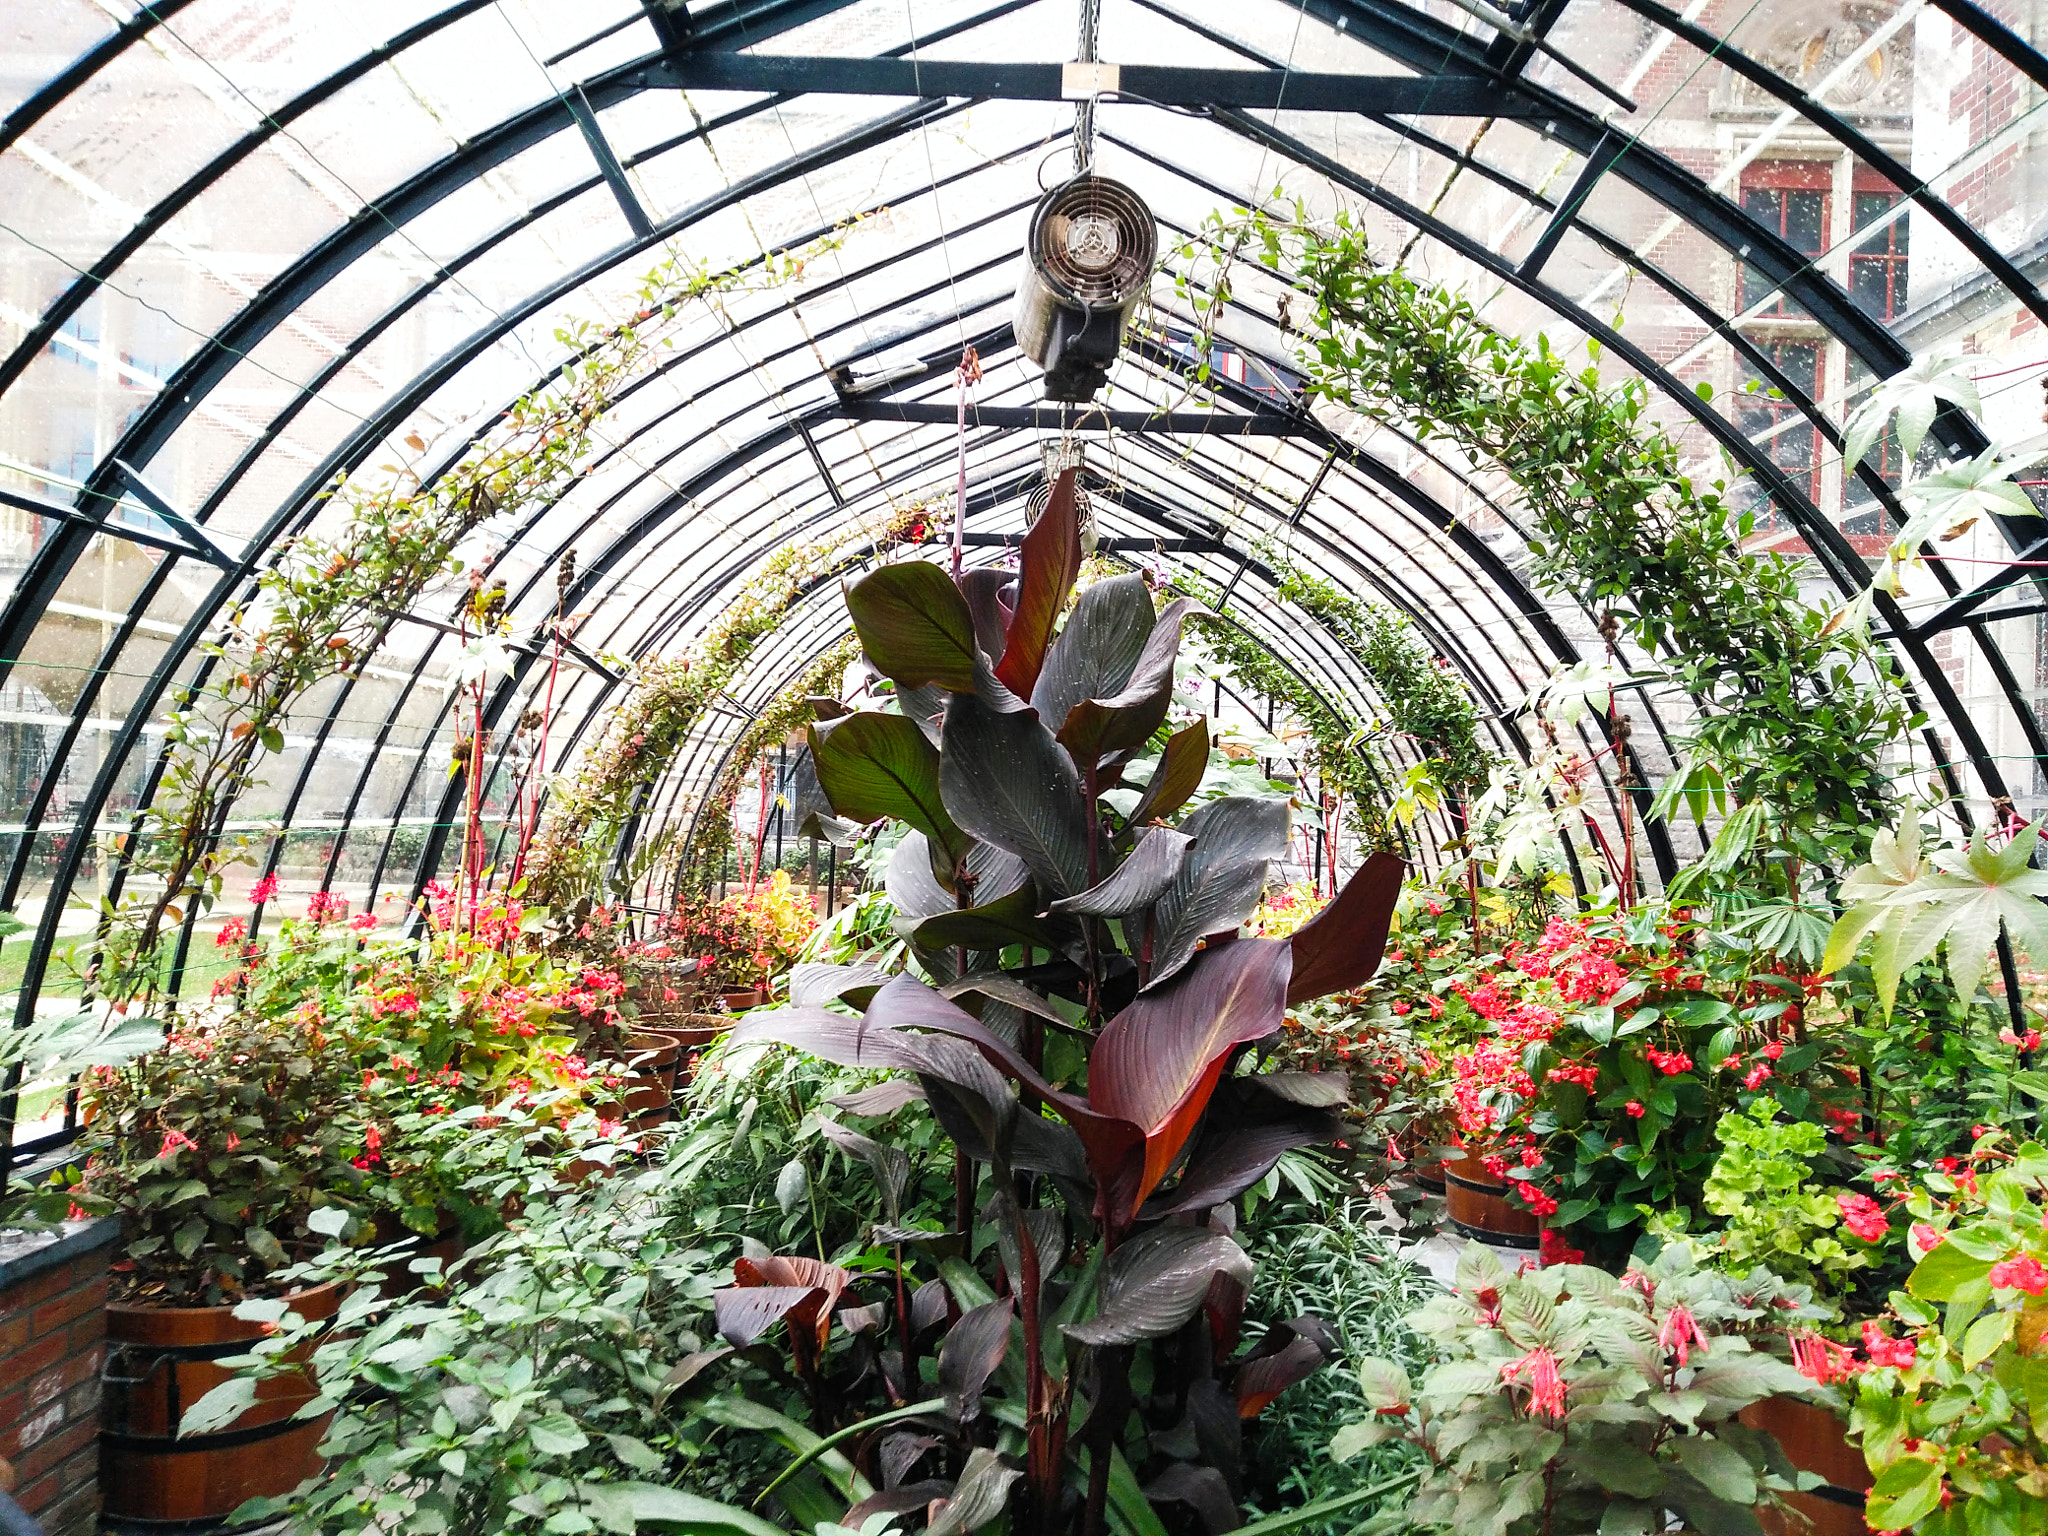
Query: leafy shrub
(217, 1149)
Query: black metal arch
(1474, 73)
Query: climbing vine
(1796, 710)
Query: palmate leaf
(914, 625)
(1915, 393)
(1964, 900)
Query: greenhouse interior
(1023, 767)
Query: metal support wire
(1084, 109)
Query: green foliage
(1951, 1410)
(218, 1150)
(1776, 1214)
(1328, 1261)
(1568, 1401)
(1796, 710)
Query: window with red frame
(1780, 426)
(1877, 266)
(1790, 199)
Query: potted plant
(1948, 1396)
(1569, 1400)
(229, 1155)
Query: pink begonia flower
(2021, 1272)
(1864, 1217)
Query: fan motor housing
(1087, 261)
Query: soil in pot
(1482, 1206)
(161, 1360)
(1814, 1440)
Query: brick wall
(53, 1329)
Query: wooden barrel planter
(1482, 1206)
(650, 1087)
(1813, 1440)
(161, 1360)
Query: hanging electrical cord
(1084, 109)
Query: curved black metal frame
(1411, 39)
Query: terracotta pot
(1481, 1206)
(1813, 1440)
(740, 1002)
(160, 1360)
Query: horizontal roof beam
(1051, 418)
(1450, 95)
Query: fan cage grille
(1095, 241)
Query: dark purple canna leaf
(981, 1493)
(1047, 565)
(914, 625)
(913, 889)
(1155, 1282)
(926, 706)
(1340, 947)
(1004, 988)
(1096, 652)
(902, 1451)
(990, 597)
(815, 983)
(896, 1501)
(1202, 1489)
(874, 765)
(882, 1099)
(1157, 1063)
(1126, 720)
(1037, 1145)
(891, 1165)
(972, 1350)
(1011, 919)
(1224, 1308)
(1220, 880)
(927, 1306)
(1005, 779)
(859, 1320)
(1138, 882)
(1229, 1163)
(1290, 1352)
(743, 1315)
(1177, 776)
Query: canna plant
(1082, 1040)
